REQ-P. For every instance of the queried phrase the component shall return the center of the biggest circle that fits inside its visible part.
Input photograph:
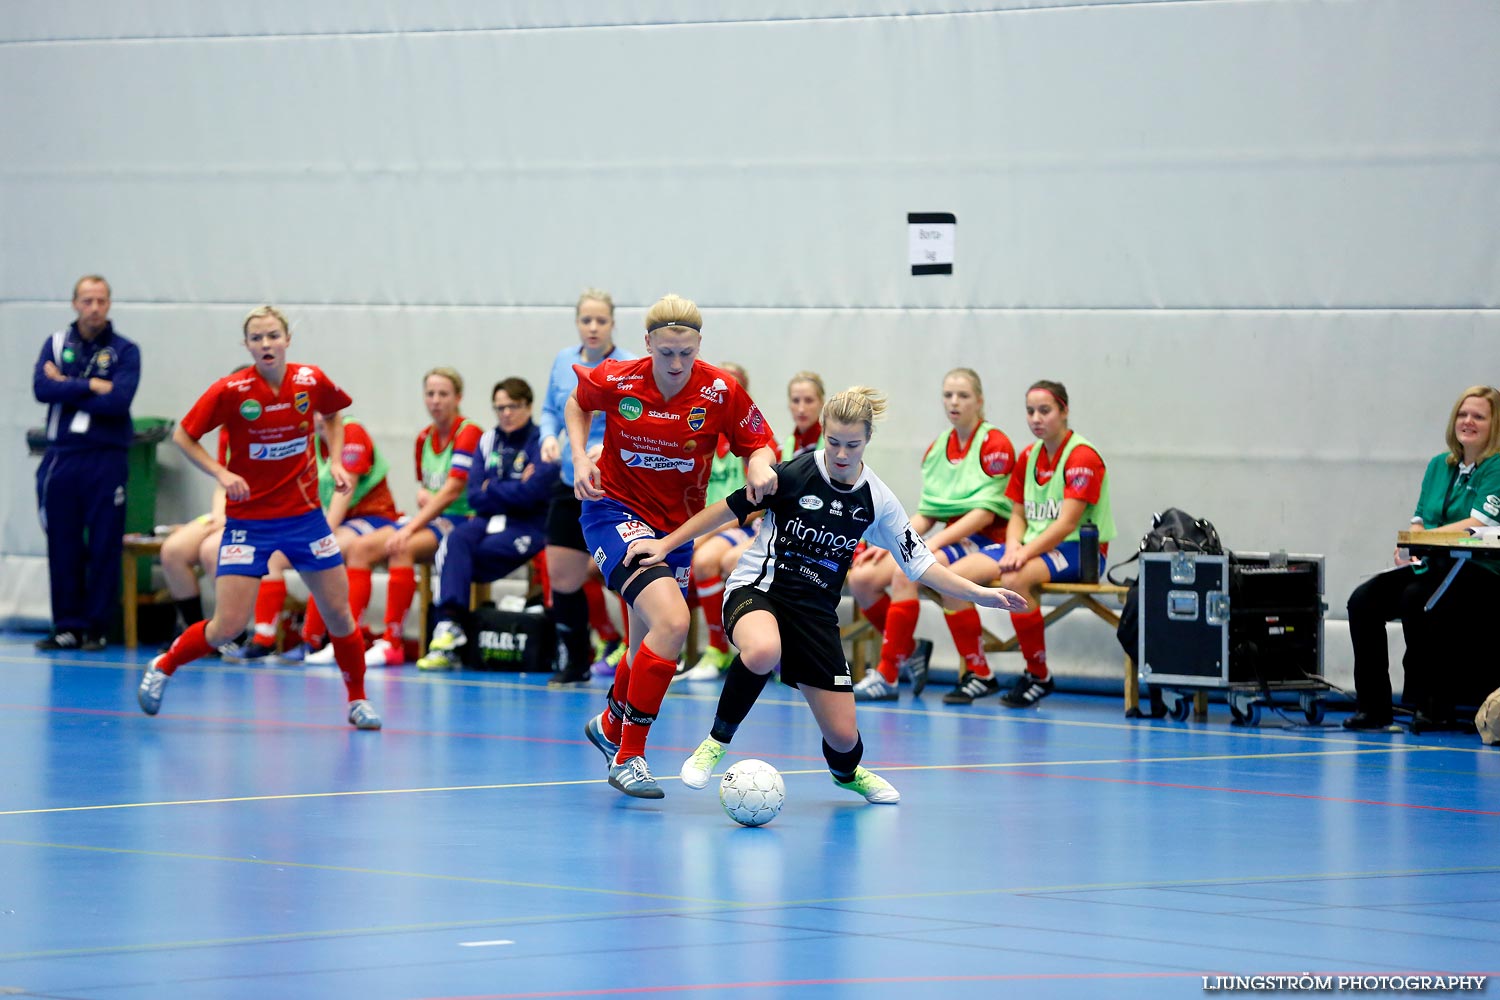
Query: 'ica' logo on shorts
(250, 409)
(631, 408)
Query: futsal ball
(752, 792)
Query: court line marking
(563, 783)
(483, 944)
(701, 909)
(1017, 718)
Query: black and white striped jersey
(805, 544)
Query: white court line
(482, 944)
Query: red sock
(190, 645)
(1032, 637)
(349, 654)
(543, 579)
(313, 628)
(711, 600)
(876, 612)
(620, 691)
(593, 589)
(650, 675)
(964, 626)
(269, 601)
(900, 637)
(359, 594)
(399, 590)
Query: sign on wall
(930, 241)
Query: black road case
(1249, 624)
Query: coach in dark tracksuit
(87, 375)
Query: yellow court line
(974, 766)
(425, 876)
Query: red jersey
(358, 458)
(270, 436)
(1085, 473)
(657, 452)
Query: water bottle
(1088, 553)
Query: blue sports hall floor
(247, 843)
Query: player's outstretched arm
(650, 551)
(945, 581)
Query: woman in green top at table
(1449, 660)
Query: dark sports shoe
(569, 677)
(1365, 721)
(93, 643)
(67, 639)
(594, 730)
(915, 666)
(250, 652)
(1027, 692)
(972, 687)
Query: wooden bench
(1075, 595)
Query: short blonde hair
(260, 312)
(448, 372)
(595, 295)
(738, 371)
(1490, 395)
(858, 404)
(804, 376)
(674, 310)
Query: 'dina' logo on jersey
(301, 401)
(696, 416)
(631, 408)
(250, 410)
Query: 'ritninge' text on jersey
(805, 545)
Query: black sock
(843, 763)
(189, 610)
(741, 687)
(570, 614)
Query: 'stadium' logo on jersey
(696, 417)
(810, 503)
(631, 408)
(301, 401)
(250, 409)
(1045, 510)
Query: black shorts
(811, 651)
(563, 529)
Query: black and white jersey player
(781, 601)
(805, 545)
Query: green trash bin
(140, 484)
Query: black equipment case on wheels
(1250, 623)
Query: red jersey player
(663, 417)
(271, 484)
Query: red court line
(883, 980)
(1236, 791)
(852, 981)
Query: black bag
(1174, 530)
(516, 641)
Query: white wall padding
(1258, 240)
